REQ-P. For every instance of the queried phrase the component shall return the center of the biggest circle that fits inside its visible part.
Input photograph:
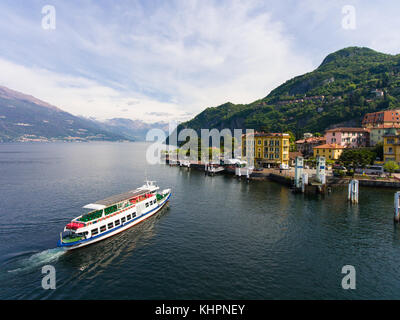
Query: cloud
(144, 61)
(77, 95)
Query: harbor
(285, 177)
(222, 237)
(298, 179)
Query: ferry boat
(113, 215)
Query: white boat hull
(129, 224)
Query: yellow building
(329, 151)
(391, 148)
(269, 148)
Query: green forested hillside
(339, 91)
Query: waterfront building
(391, 148)
(329, 151)
(306, 145)
(269, 148)
(348, 137)
(388, 118)
(377, 133)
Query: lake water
(220, 238)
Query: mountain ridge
(25, 118)
(340, 89)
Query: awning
(94, 206)
(75, 225)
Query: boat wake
(27, 262)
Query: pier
(319, 180)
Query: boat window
(102, 228)
(110, 225)
(128, 217)
(133, 215)
(123, 220)
(95, 231)
(116, 222)
(147, 204)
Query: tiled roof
(311, 140)
(348, 130)
(329, 146)
(268, 134)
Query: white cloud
(78, 95)
(179, 59)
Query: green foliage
(357, 157)
(378, 149)
(391, 166)
(345, 79)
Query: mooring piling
(321, 174)
(298, 172)
(353, 191)
(396, 206)
(304, 181)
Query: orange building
(387, 118)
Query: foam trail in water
(40, 259)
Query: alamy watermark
(349, 280)
(49, 280)
(211, 146)
(349, 21)
(49, 17)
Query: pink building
(348, 137)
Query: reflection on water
(96, 257)
(221, 239)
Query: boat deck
(121, 197)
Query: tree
(357, 157)
(391, 167)
(378, 149)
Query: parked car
(339, 168)
(372, 170)
(283, 166)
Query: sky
(169, 60)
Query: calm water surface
(220, 238)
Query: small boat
(113, 215)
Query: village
(316, 164)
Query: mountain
(133, 129)
(348, 83)
(26, 118)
